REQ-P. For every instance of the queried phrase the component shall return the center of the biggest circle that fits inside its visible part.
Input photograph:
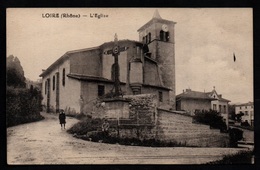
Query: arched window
(63, 77)
(113, 72)
(53, 82)
(161, 35)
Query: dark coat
(62, 118)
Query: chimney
(220, 95)
(188, 90)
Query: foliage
(14, 73)
(238, 117)
(243, 157)
(22, 105)
(234, 136)
(211, 118)
(76, 115)
(245, 123)
(231, 111)
(86, 125)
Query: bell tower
(159, 35)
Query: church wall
(151, 76)
(70, 97)
(89, 94)
(108, 61)
(86, 63)
(154, 90)
(62, 89)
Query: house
(81, 76)
(191, 101)
(248, 110)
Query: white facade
(248, 110)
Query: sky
(205, 41)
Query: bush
(234, 136)
(243, 157)
(86, 125)
(211, 118)
(22, 106)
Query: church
(78, 78)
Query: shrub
(22, 106)
(234, 136)
(86, 125)
(211, 118)
(243, 157)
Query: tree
(231, 111)
(14, 74)
(239, 116)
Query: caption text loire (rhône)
(70, 15)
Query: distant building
(192, 101)
(220, 105)
(35, 84)
(79, 77)
(248, 110)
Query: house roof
(220, 98)
(246, 104)
(194, 95)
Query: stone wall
(142, 108)
(179, 128)
(147, 121)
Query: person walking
(62, 118)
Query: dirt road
(44, 142)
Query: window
(246, 112)
(240, 108)
(246, 107)
(161, 35)
(149, 37)
(46, 86)
(101, 90)
(160, 96)
(225, 109)
(220, 108)
(214, 107)
(63, 77)
(53, 83)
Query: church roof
(90, 78)
(156, 14)
(156, 18)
